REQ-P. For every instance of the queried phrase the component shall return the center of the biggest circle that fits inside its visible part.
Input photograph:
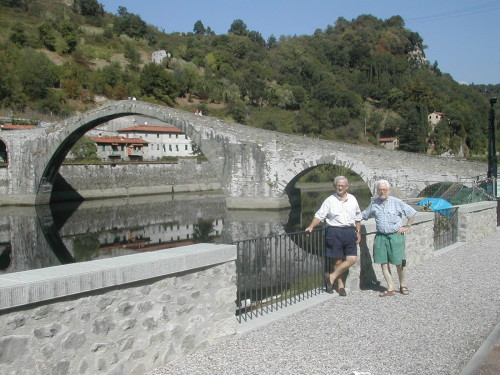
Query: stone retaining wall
(475, 221)
(124, 315)
(105, 181)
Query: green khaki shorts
(389, 248)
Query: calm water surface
(52, 235)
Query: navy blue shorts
(341, 242)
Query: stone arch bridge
(257, 168)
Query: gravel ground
(453, 306)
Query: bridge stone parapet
(257, 169)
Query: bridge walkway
(449, 324)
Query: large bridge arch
(255, 166)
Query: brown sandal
(387, 293)
(404, 290)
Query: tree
(85, 150)
(157, 83)
(130, 24)
(198, 28)
(132, 55)
(18, 34)
(272, 41)
(413, 133)
(238, 27)
(47, 36)
(91, 8)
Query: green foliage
(158, 84)
(238, 27)
(85, 150)
(130, 24)
(91, 8)
(47, 36)
(331, 84)
(18, 35)
(199, 28)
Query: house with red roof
(390, 143)
(162, 141)
(120, 148)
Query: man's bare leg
(342, 267)
(402, 283)
(386, 270)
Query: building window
(158, 146)
(104, 147)
(157, 135)
(170, 147)
(186, 147)
(176, 147)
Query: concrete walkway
(449, 324)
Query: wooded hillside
(352, 81)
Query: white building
(161, 141)
(434, 118)
(158, 56)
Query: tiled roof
(119, 140)
(16, 127)
(150, 129)
(386, 139)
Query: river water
(46, 236)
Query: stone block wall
(102, 181)
(127, 328)
(4, 180)
(475, 221)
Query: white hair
(340, 178)
(382, 182)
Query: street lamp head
(493, 100)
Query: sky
(463, 36)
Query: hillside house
(434, 119)
(158, 56)
(390, 143)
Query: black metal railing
(277, 271)
(445, 227)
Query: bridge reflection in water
(52, 235)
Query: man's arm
(314, 223)
(358, 232)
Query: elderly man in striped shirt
(389, 244)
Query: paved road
(448, 325)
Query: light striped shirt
(339, 213)
(389, 215)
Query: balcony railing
(277, 271)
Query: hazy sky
(463, 36)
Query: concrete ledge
(22, 288)
(478, 206)
(257, 203)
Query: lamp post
(492, 153)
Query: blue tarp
(436, 204)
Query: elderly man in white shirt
(342, 214)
